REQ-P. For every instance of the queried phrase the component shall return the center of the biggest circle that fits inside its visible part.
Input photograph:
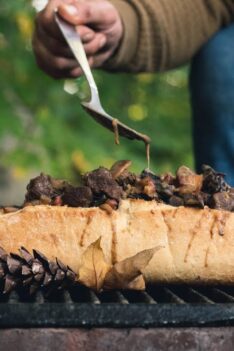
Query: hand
(100, 28)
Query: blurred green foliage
(44, 128)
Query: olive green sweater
(163, 34)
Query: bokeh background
(43, 128)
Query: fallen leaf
(126, 274)
(94, 267)
(137, 284)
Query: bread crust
(198, 244)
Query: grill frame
(163, 306)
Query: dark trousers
(212, 98)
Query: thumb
(87, 13)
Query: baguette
(197, 244)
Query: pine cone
(33, 272)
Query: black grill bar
(93, 298)
(121, 298)
(39, 298)
(197, 296)
(153, 295)
(32, 315)
(139, 297)
(174, 298)
(13, 298)
(220, 295)
(157, 306)
(67, 296)
(148, 298)
(112, 297)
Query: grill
(161, 306)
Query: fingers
(77, 72)
(95, 59)
(97, 23)
(53, 45)
(98, 60)
(55, 66)
(61, 49)
(86, 33)
(56, 59)
(95, 45)
(45, 21)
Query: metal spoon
(94, 107)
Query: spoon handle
(73, 39)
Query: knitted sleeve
(163, 34)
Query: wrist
(127, 44)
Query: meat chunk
(126, 179)
(77, 196)
(213, 182)
(176, 201)
(223, 200)
(101, 181)
(163, 189)
(39, 186)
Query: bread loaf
(197, 244)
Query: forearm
(163, 34)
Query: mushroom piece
(119, 167)
(189, 182)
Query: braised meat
(105, 188)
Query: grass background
(42, 128)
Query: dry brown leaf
(137, 284)
(94, 267)
(124, 274)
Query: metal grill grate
(157, 306)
